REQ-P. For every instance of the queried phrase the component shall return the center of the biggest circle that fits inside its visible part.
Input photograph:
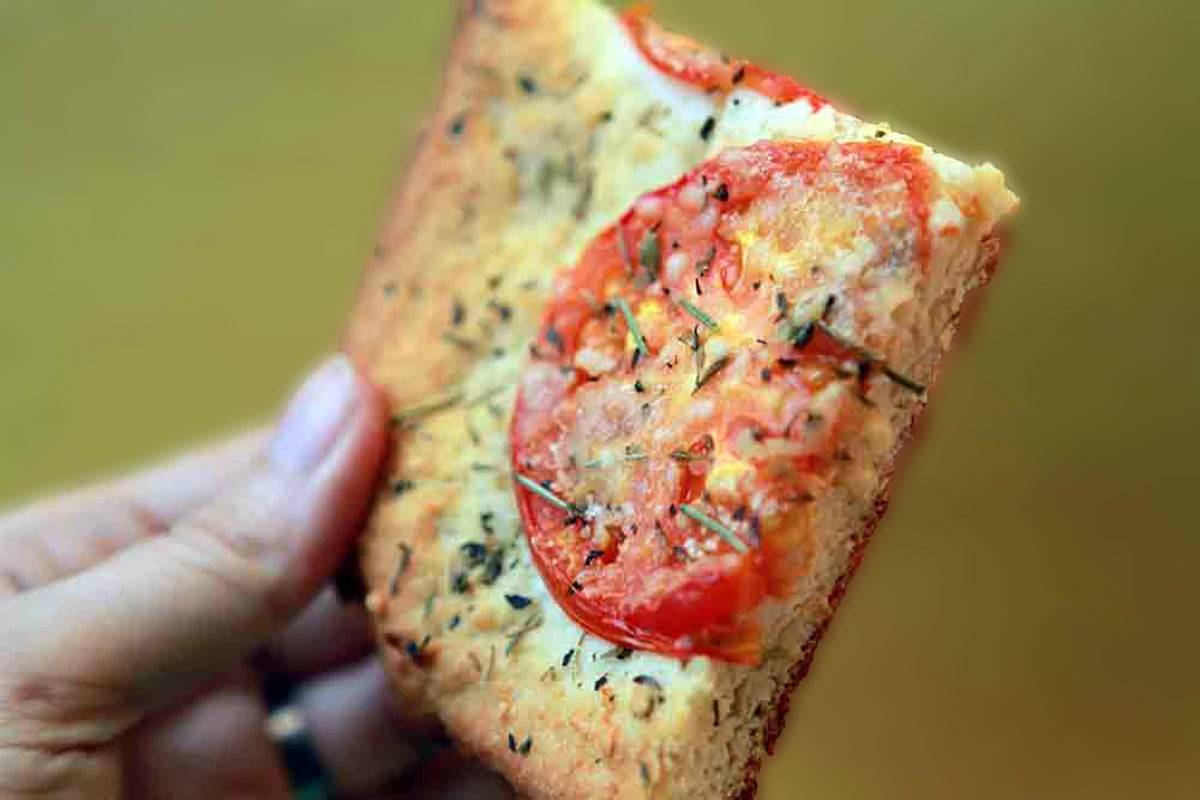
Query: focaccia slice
(556, 116)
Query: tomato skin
(686, 61)
(622, 440)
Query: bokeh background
(187, 190)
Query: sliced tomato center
(692, 63)
(687, 398)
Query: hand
(137, 620)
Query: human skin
(138, 620)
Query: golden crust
(548, 126)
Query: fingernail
(315, 416)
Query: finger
(327, 634)
(356, 728)
(52, 539)
(213, 746)
(179, 608)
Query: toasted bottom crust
(777, 718)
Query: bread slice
(550, 124)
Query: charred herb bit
(473, 553)
(404, 559)
(402, 487)
(545, 493)
(781, 303)
(592, 556)
(803, 335)
(644, 772)
(631, 321)
(711, 372)
(903, 380)
(458, 313)
(503, 310)
(493, 568)
(706, 130)
(566, 659)
(738, 75)
(409, 415)
(454, 622)
(485, 522)
(623, 653)
(517, 601)
(600, 683)
(716, 527)
(459, 584)
(650, 254)
(721, 192)
(716, 713)
(512, 742)
(639, 387)
(699, 313)
(456, 126)
(527, 84)
(525, 746)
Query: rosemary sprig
(631, 321)
(698, 313)
(650, 254)
(862, 352)
(413, 413)
(716, 527)
(712, 370)
(544, 493)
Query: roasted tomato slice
(688, 394)
(690, 62)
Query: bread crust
(446, 307)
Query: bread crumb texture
(550, 124)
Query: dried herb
(721, 192)
(706, 130)
(698, 313)
(459, 342)
(473, 553)
(410, 415)
(401, 487)
(525, 746)
(710, 373)
(527, 84)
(544, 493)
(404, 559)
(600, 683)
(515, 637)
(458, 312)
(631, 321)
(714, 526)
(517, 601)
(649, 254)
(485, 522)
(592, 556)
(566, 659)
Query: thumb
(174, 610)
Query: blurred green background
(187, 190)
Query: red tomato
(686, 399)
(687, 61)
